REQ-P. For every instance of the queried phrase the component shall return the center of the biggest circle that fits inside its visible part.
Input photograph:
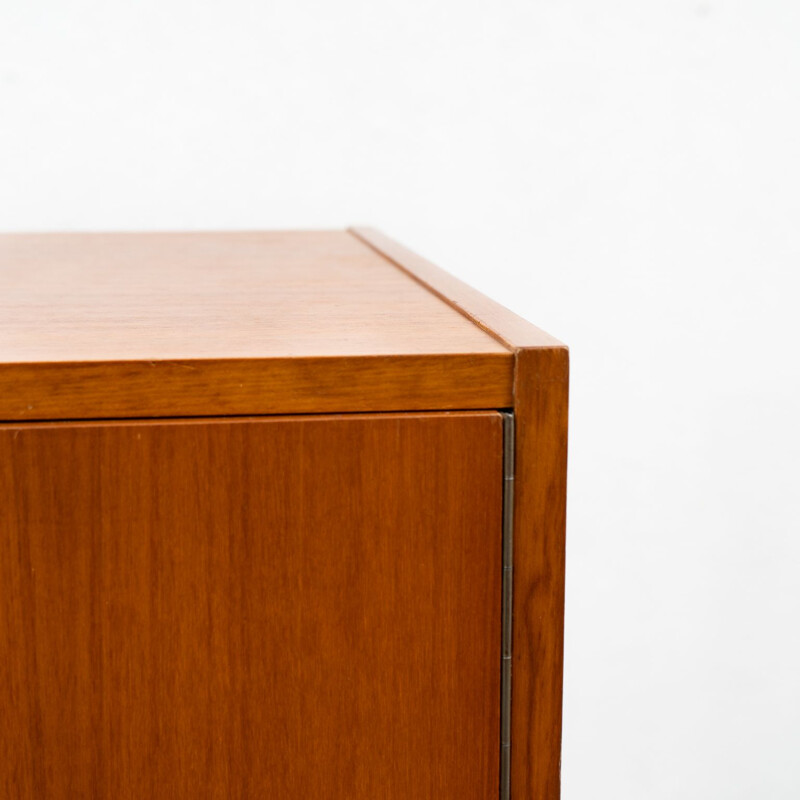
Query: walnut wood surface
(286, 607)
(540, 403)
(159, 324)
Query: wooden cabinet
(281, 515)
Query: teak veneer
(257, 499)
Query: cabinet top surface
(186, 296)
(129, 325)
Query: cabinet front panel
(256, 608)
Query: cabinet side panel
(542, 378)
(303, 607)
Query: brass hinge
(507, 605)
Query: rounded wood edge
(508, 328)
(540, 401)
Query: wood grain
(86, 318)
(271, 386)
(203, 295)
(506, 327)
(540, 404)
(139, 325)
(301, 607)
(541, 411)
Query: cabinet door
(296, 607)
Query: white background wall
(623, 173)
